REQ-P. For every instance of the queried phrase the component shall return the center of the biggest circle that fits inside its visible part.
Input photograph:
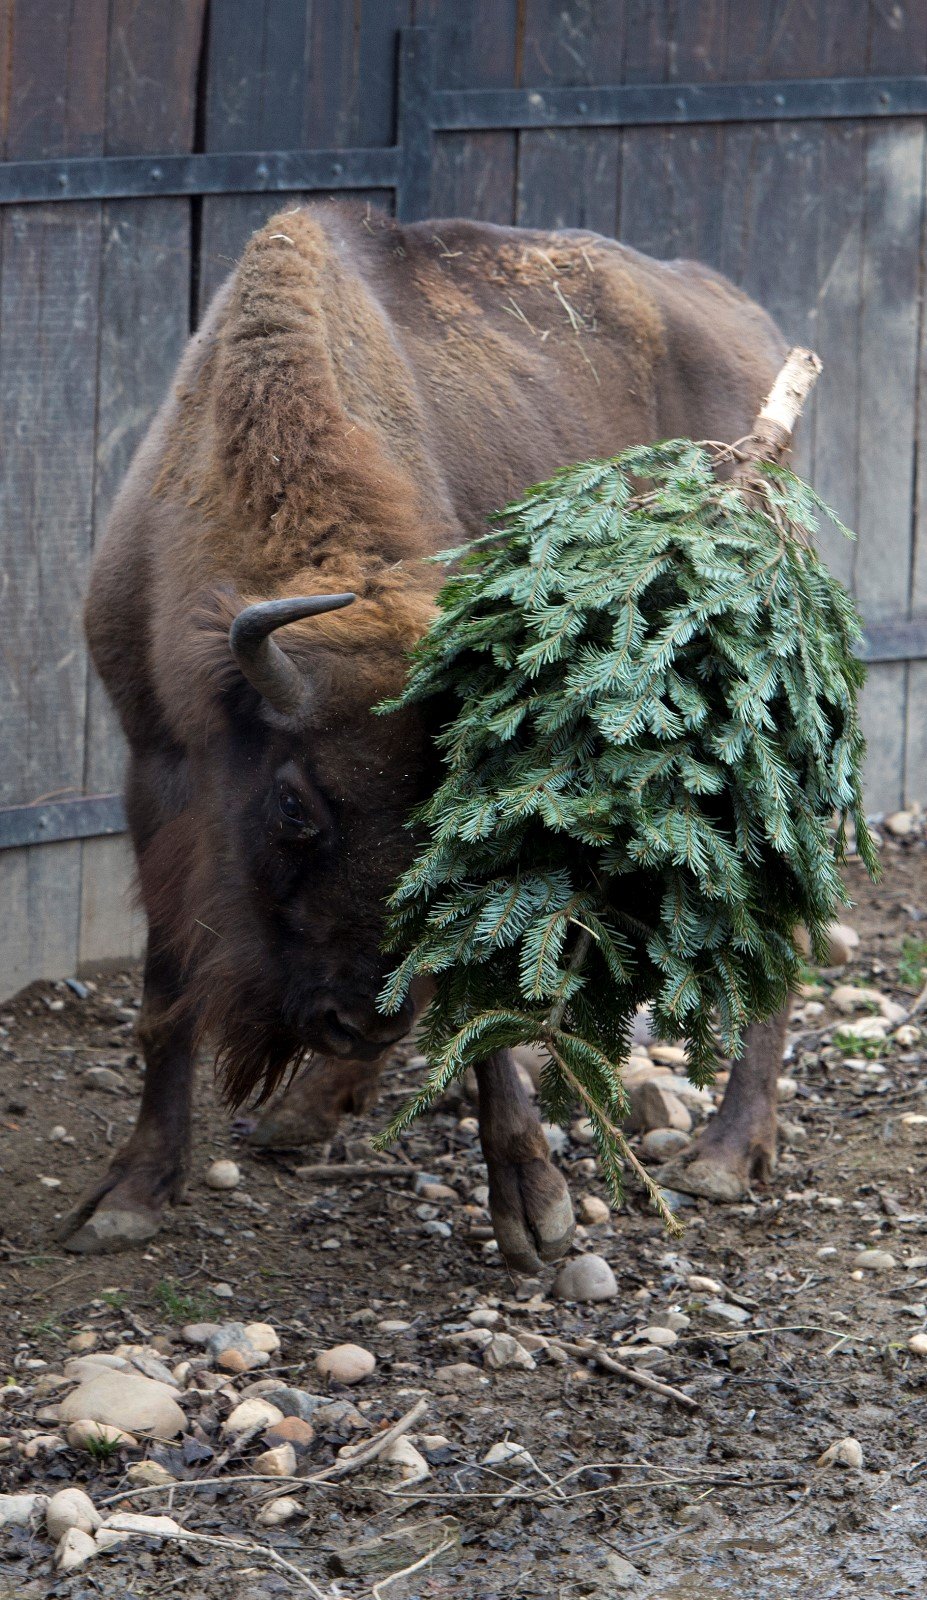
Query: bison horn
(268, 668)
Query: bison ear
(260, 659)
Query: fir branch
(653, 726)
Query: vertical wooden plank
(242, 112)
(48, 336)
(284, 74)
(144, 321)
(889, 335)
(568, 178)
(669, 191)
(478, 48)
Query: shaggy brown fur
(360, 395)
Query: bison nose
(363, 1030)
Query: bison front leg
(528, 1198)
(124, 1206)
(739, 1143)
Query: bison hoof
(108, 1230)
(705, 1178)
(532, 1215)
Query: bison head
(301, 797)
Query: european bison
(360, 395)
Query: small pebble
(149, 1474)
(459, 1376)
(18, 1510)
(279, 1462)
(593, 1211)
(83, 1342)
(917, 1344)
(874, 1260)
(702, 1285)
(50, 1183)
(87, 1434)
(586, 1278)
(485, 1317)
(499, 1455)
(668, 1055)
(278, 1511)
(255, 1413)
(403, 1454)
(504, 1350)
(842, 1453)
(436, 1191)
(721, 1314)
(660, 1336)
(75, 1548)
(291, 1430)
(222, 1291)
(71, 1508)
(105, 1078)
(901, 824)
(345, 1363)
(127, 1400)
(662, 1143)
(786, 1090)
(582, 1131)
(238, 1361)
(152, 1527)
(223, 1175)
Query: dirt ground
(625, 1491)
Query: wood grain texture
(53, 91)
(824, 223)
(478, 48)
(568, 178)
(144, 319)
(890, 336)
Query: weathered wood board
(824, 222)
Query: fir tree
(653, 755)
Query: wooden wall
(822, 222)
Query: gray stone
(297, 1402)
(721, 1314)
(71, 1508)
(128, 1401)
(18, 1510)
(75, 1549)
(105, 1078)
(586, 1278)
(661, 1143)
(875, 1260)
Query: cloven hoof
(706, 1179)
(108, 1230)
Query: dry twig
(594, 1352)
(365, 1453)
(423, 1561)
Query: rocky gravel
(311, 1384)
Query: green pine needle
(654, 751)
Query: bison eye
(292, 807)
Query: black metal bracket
(425, 110)
(903, 640)
(50, 821)
(239, 172)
